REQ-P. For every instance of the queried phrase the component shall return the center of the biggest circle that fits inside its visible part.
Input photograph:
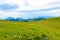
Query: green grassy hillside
(48, 29)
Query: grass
(48, 29)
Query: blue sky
(29, 8)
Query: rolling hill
(48, 29)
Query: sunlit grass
(49, 29)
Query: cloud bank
(29, 8)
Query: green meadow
(48, 29)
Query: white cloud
(11, 14)
(30, 5)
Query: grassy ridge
(49, 28)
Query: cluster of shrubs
(24, 20)
(19, 36)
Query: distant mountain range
(29, 19)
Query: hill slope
(48, 29)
